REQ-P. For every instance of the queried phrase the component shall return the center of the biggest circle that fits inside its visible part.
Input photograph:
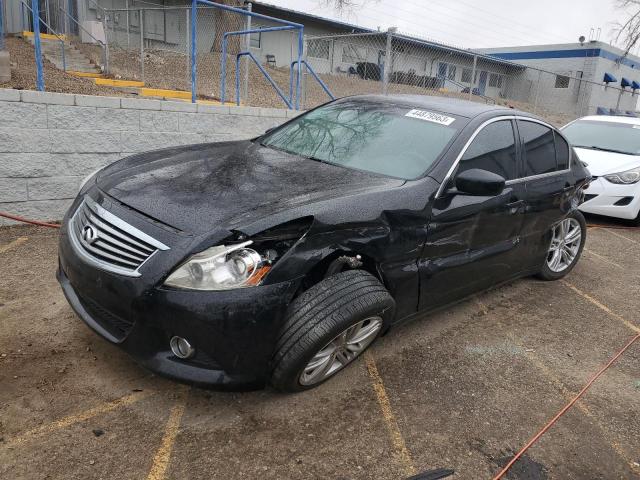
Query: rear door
(473, 241)
(548, 185)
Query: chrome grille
(109, 242)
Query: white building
(576, 78)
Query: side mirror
(479, 182)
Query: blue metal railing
(1, 26)
(313, 73)
(264, 72)
(35, 13)
(291, 26)
(223, 60)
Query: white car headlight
(221, 268)
(626, 178)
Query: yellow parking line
(78, 417)
(17, 242)
(613, 232)
(601, 306)
(163, 454)
(604, 259)
(399, 446)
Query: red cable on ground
(24, 220)
(564, 409)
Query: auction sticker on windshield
(430, 116)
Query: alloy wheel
(341, 351)
(565, 245)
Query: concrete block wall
(49, 142)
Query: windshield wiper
(602, 149)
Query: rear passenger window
(539, 148)
(562, 152)
(493, 149)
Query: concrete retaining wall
(50, 141)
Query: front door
(473, 241)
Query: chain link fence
(139, 40)
(393, 63)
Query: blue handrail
(312, 72)
(194, 5)
(35, 13)
(223, 59)
(264, 72)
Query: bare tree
(628, 32)
(344, 5)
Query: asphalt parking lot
(462, 389)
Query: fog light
(181, 348)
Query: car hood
(602, 163)
(203, 187)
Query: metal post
(141, 45)
(535, 101)
(473, 76)
(388, 55)
(126, 4)
(186, 41)
(1, 25)
(300, 53)
(48, 12)
(245, 82)
(193, 49)
(35, 9)
(619, 98)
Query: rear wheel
(329, 326)
(565, 248)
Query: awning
(608, 78)
(625, 83)
(635, 85)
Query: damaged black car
(279, 260)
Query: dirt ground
(460, 389)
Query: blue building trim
(573, 53)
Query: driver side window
(494, 150)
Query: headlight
(628, 177)
(221, 268)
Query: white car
(610, 146)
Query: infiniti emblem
(89, 234)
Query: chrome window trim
(75, 242)
(515, 180)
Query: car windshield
(608, 136)
(392, 140)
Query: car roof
(454, 106)
(611, 118)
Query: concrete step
(74, 59)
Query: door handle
(515, 207)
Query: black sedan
(281, 259)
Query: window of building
(451, 74)
(466, 75)
(494, 150)
(539, 148)
(255, 39)
(353, 54)
(319, 49)
(562, 152)
(562, 81)
(495, 80)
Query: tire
(320, 319)
(547, 271)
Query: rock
(98, 432)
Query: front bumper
(607, 194)
(234, 332)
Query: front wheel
(567, 241)
(329, 326)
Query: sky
(477, 24)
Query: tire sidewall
(546, 273)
